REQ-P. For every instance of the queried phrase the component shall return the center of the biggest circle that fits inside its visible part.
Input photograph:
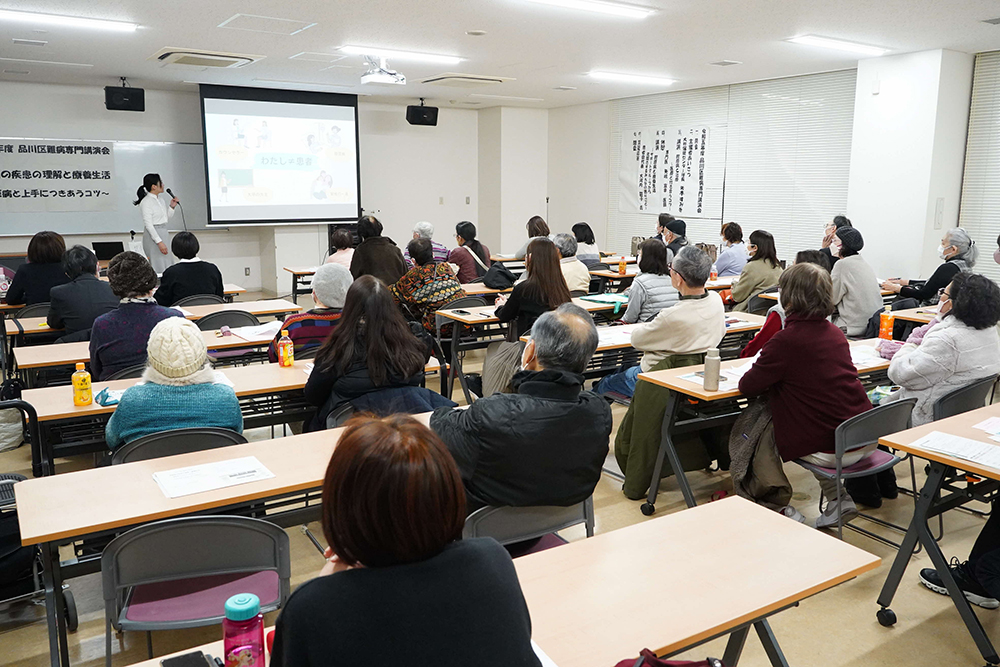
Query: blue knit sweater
(118, 338)
(152, 408)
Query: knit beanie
(130, 274)
(176, 348)
(330, 284)
(678, 227)
(851, 239)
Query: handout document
(210, 476)
(958, 447)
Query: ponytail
(467, 231)
(148, 181)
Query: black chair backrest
(199, 300)
(866, 428)
(308, 353)
(758, 305)
(340, 416)
(577, 293)
(964, 399)
(227, 318)
(465, 302)
(179, 441)
(128, 373)
(34, 310)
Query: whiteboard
(182, 168)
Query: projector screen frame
(247, 93)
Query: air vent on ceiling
(191, 58)
(29, 42)
(564, 88)
(16, 71)
(725, 63)
(314, 57)
(456, 80)
(267, 24)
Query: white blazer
(155, 212)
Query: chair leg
(149, 644)
(107, 642)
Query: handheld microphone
(169, 192)
(183, 219)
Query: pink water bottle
(243, 632)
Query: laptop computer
(105, 250)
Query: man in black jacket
(546, 444)
(74, 306)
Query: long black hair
(372, 328)
(583, 233)
(467, 231)
(765, 248)
(148, 181)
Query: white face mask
(941, 252)
(723, 243)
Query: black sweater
(32, 282)
(523, 308)
(928, 290)
(461, 608)
(186, 279)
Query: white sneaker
(828, 519)
(792, 513)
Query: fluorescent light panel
(66, 21)
(379, 52)
(43, 62)
(632, 78)
(838, 44)
(507, 97)
(596, 6)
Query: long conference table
(229, 290)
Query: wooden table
(479, 289)
(921, 315)
(773, 296)
(721, 283)
(699, 417)
(946, 488)
(589, 600)
(300, 284)
(610, 276)
(612, 260)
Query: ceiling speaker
(119, 98)
(421, 115)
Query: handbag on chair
(648, 659)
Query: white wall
(579, 159)
(524, 172)
(907, 151)
(488, 229)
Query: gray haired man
(575, 272)
(425, 230)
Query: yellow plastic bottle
(286, 350)
(885, 321)
(82, 394)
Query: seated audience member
(371, 348)
(310, 329)
(190, 275)
(829, 232)
(652, 290)
(73, 307)
(812, 387)
(425, 230)
(44, 270)
(661, 226)
(963, 348)
(694, 324)
(732, 251)
(376, 255)
(576, 275)
(761, 271)
(393, 513)
(856, 293)
(545, 289)
(537, 229)
(178, 389)
(118, 338)
(586, 244)
(675, 235)
(428, 286)
(959, 253)
(545, 444)
(775, 320)
(343, 248)
(471, 257)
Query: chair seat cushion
(198, 597)
(874, 462)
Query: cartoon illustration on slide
(224, 186)
(314, 146)
(238, 136)
(263, 135)
(322, 183)
(333, 136)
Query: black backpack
(499, 277)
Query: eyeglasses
(942, 294)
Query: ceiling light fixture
(43, 62)
(67, 21)
(838, 44)
(631, 78)
(399, 55)
(599, 7)
(507, 97)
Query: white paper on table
(615, 335)
(261, 333)
(210, 476)
(218, 377)
(863, 357)
(184, 312)
(726, 381)
(961, 448)
(991, 425)
(309, 368)
(542, 657)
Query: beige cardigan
(755, 277)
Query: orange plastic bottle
(885, 322)
(82, 393)
(286, 350)
(621, 266)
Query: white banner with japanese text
(665, 170)
(60, 175)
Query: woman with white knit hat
(178, 389)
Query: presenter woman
(155, 214)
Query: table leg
(920, 531)
(770, 643)
(295, 289)
(54, 613)
(667, 450)
(734, 647)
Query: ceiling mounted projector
(379, 73)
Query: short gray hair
(424, 230)
(565, 338)
(693, 265)
(567, 244)
(967, 250)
